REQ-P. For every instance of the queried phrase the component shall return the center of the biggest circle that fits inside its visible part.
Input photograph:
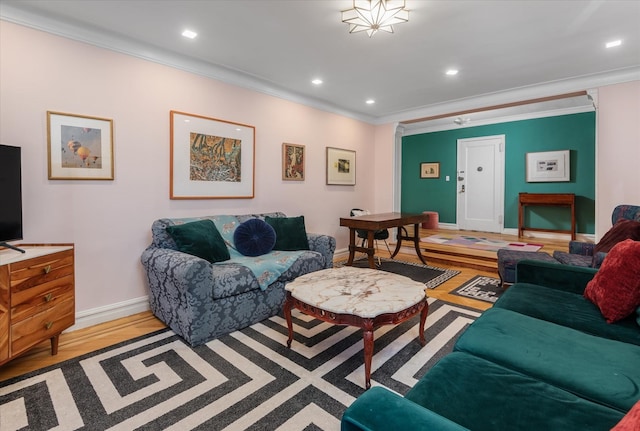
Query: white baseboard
(110, 312)
(450, 226)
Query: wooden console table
(374, 222)
(547, 199)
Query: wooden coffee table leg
(287, 315)
(367, 335)
(423, 319)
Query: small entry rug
(486, 289)
(480, 243)
(431, 276)
(245, 380)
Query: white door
(480, 203)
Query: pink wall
(109, 221)
(618, 150)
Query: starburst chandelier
(375, 15)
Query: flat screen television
(10, 196)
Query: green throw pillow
(638, 315)
(290, 233)
(200, 238)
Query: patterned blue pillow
(254, 237)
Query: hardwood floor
(72, 344)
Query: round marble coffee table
(366, 298)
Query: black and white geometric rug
(431, 276)
(486, 289)
(246, 380)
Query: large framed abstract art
(211, 158)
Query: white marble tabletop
(361, 292)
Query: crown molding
(420, 128)
(113, 42)
(570, 85)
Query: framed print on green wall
(548, 166)
(430, 170)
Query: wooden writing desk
(547, 199)
(373, 222)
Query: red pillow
(630, 421)
(615, 289)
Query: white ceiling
(505, 50)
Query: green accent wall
(575, 132)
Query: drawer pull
(47, 269)
(48, 297)
(48, 325)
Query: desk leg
(416, 242)
(520, 219)
(352, 245)
(399, 238)
(415, 239)
(573, 221)
(371, 249)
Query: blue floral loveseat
(200, 300)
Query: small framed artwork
(341, 167)
(430, 170)
(548, 166)
(211, 158)
(292, 162)
(79, 147)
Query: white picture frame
(548, 166)
(211, 158)
(341, 167)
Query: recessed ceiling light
(190, 34)
(370, 102)
(452, 72)
(614, 43)
(316, 81)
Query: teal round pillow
(254, 237)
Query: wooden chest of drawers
(37, 298)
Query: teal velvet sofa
(542, 358)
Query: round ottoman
(432, 223)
